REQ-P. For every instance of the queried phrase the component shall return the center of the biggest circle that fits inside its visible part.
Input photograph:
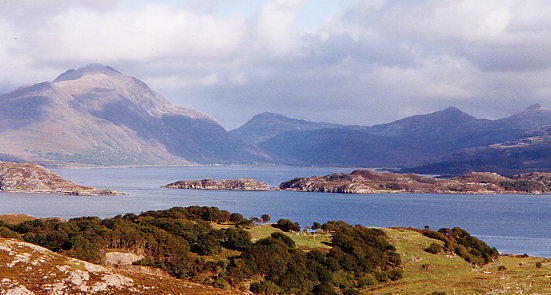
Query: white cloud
(373, 63)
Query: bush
(287, 225)
(434, 248)
(351, 292)
(539, 264)
(501, 268)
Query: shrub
(434, 248)
(539, 264)
(501, 268)
(287, 225)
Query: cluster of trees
(359, 257)
(461, 243)
(183, 242)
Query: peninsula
(33, 178)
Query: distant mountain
(531, 152)
(406, 142)
(96, 115)
(534, 116)
(266, 125)
(339, 147)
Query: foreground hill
(215, 247)
(96, 115)
(28, 269)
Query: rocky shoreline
(33, 178)
(241, 184)
(371, 182)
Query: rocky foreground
(33, 178)
(27, 269)
(241, 184)
(370, 182)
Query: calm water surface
(512, 223)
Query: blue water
(515, 224)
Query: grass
(455, 276)
(15, 218)
(302, 239)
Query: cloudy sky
(346, 61)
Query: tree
(287, 225)
(265, 218)
(316, 225)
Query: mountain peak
(73, 74)
(452, 109)
(536, 107)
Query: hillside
(264, 259)
(531, 152)
(98, 116)
(425, 273)
(29, 269)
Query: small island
(371, 182)
(241, 184)
(33, 178)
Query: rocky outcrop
(368, 182)
(29, 269)
(241, 184)
(33, 178)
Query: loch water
(515, 224)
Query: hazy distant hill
(406, 142)
(266, 125)
(96, 115)
(532, 152)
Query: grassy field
(15, 218)
(302, 239)
(425, 273)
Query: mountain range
(96, 115)
(413, 141)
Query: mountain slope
(532, 152)
(96, 115)
(266, 125)
(339, 147)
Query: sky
(358, 62)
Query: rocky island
(371, 182)
(33, 178)
(241, 184)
